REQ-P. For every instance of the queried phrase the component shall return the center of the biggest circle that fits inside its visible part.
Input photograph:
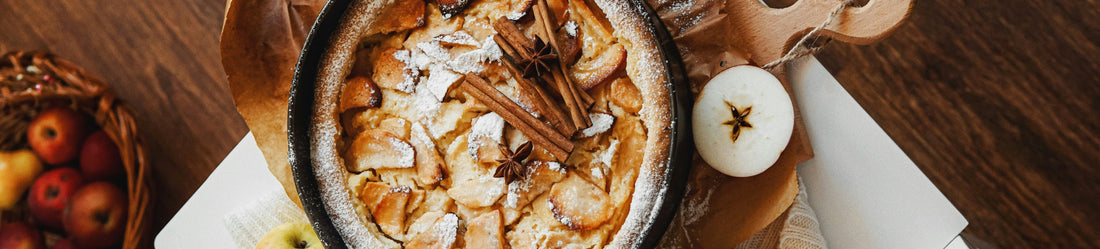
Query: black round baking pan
(301, 111)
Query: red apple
(19, 235)
(56, 134)
(65, 244)
(50, 195)
(99, 158)
(96, 216)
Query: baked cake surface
(409, 143)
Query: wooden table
(995, 100)
(162, 58)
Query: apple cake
(491, 124)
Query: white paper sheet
(866, 192)
(240, 179)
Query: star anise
(511, 167)
(738, 121)
(539, 60)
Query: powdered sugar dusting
(411, 73)
(426, 103)
(447, 229)
(601, 122)
(650, 187)
(489, 125)
(407, 154)
(514, 188)
(474, 61)
(434, 50)
(570, 28)
(597, 173)
(457, 38)
(516, 15)
(421, 60)
(695, 208)
(607, 154)
(555, 166)
(440, 80)
(328, 168)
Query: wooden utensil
(767, 33)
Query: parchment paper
(260, 43)
(262, 38)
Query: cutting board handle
(767, 33)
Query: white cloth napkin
(247, 224)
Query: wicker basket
(31, 81)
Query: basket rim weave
(86, 92)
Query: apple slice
(400, 16)
(626, 95)
(441, 235)
(398, 126)
(578, 204)
(540, 176)
(423, 223)
(486, 135)
(393, 71)
(360, 93)
(485, 231)
(374, 149)
(590, 72)
(389, 213)
(429, 164)
(372, 193)
(478, 192)
(487, 151)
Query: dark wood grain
(162, 59)
(997, 102)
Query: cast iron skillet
(302, 96)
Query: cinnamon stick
(508, 31)
(512, 43)
(554, 113)
(578, 106)
(539, 132)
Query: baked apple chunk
(579, 204)
(375, 149)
